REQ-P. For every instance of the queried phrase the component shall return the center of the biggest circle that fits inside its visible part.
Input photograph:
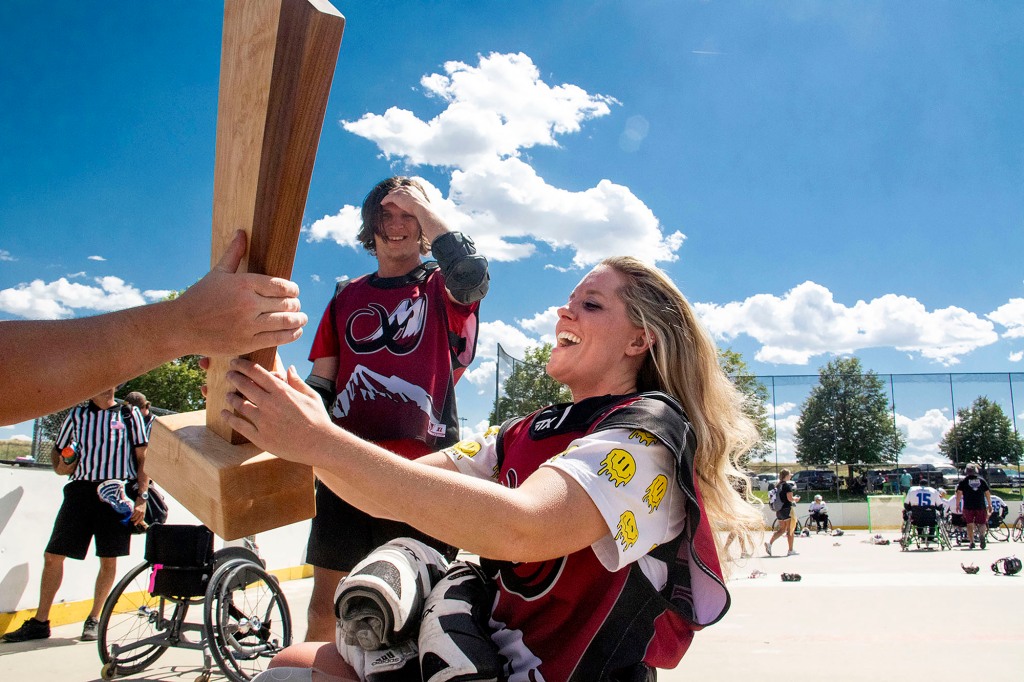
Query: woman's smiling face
(598, 350)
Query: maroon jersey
(401, 345)
(571, 618)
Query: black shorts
(341, 535)
(784, 513)
(83, 515)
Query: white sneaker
(768, 548)
(792, 552)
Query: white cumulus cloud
(60, 298)
(492, 112)
(1011, 316)
(807, 321)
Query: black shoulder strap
(499, 440)
(129, 423)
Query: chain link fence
(46, 428)
(922, 406)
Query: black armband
(324, 388)
(465, 272)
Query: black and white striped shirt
(103, 441)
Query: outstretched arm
(548, 515)
(47, 365)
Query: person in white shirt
(920, 498)
(819, 513)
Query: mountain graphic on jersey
(399, 332)
(367, 385)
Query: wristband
(144, 495)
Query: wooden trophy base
(236, 490)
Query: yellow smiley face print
(656, 492)
(466, 448)
(619, 466)
(643, 437)
(628, 533)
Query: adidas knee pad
(455, 640)
(379, 603)
(397, 664)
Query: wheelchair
(997, 528)
(811, 526)
(924, 529)
(245, 615)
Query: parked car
(767, 481)
(815, 480)
(925, 474)
(950, 476)
(25, 461)
(1000, 478)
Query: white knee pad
(398, 663)
(379, 603)
(455, 640)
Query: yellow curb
(77, 611)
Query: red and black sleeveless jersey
(401, 343)
(571, 619)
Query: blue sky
(819, 178)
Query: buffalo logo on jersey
(643, 437)
(399, 332)
(628, 533)
(465, 448)
(656, 492)
(619, 466)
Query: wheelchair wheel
(1000, 533)
(246, 619)
(132, 620)
(1018, 530)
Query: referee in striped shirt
(105, 434)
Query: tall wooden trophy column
(277, 63)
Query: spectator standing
(387, 354)
(786, 515)
(975, 500)
(819, 513)
(95, 449)
(138, 399)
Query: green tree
(982, 433)
(529, 387)
(756, 404)
(846, 419)
(49, 429)
(174, 385)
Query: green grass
(11, 449)
(806, 497)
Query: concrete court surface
(861, 612)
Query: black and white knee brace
(455, 641)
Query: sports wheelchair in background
(245, 615)
(923, 528)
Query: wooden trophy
(277, 63)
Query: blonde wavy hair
(683, 362)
